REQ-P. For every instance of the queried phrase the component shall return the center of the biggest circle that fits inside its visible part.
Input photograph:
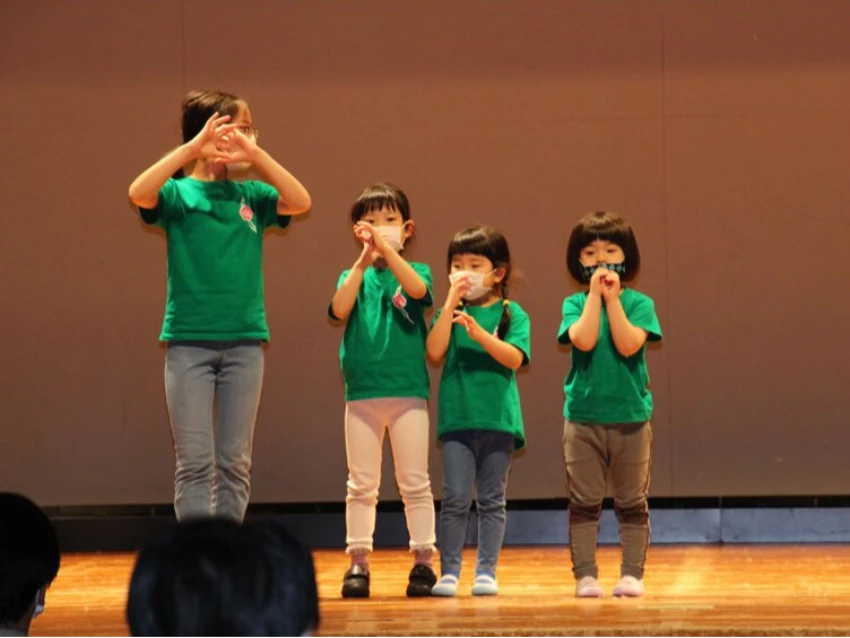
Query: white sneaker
(588, 587)
(446, 586)
(485, 586)
(629, 587)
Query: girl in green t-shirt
(484, 339)
(608, 404)
(215, 318)
(383, 299)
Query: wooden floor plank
(728, 590)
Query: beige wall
(720, 129)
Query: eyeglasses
(249, 131)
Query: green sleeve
(168, 203)
(519, 332)
(642, 315)
(424, 271)
(342, 278)
(338, 286)
(573, 307)
(263, 201)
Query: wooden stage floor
(691, 590)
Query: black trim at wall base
(544, 522)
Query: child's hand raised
(473, 328)
(610, 285)
(240, 147)
(596, 280)
(212, 140)
(370, 254)
(368, 234)
(456, 292)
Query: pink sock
(423, 557)
(360, 557)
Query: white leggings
(408, 425)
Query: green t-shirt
(215, 257)
(603, 386)
(383, 350)
(476, 391)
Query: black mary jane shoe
(355, 583)
(420, 582)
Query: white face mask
(477, 289)
(392, 235)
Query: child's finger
(225, 130)
(222, 157)
(225, 133)
(461, 283)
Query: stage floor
(730, 590)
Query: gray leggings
(591, 451)
(213, 393)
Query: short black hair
(481, 240)
(606, 226)
(487, 242)
(179, 585)
(379, 196)
(291, 604)
(29, 555)
(216, 577)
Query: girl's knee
(491, 503)
(584, 512)
(362, 489)
(633, 512)
(415, 491)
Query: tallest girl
(215, 319)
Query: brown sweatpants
(591, 452)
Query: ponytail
(505, 321)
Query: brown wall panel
(718, 129)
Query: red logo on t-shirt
(399, 300)
(247, 214)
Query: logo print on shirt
(247, 214)
(496, 329)
(400, 302)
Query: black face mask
(587, 271)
